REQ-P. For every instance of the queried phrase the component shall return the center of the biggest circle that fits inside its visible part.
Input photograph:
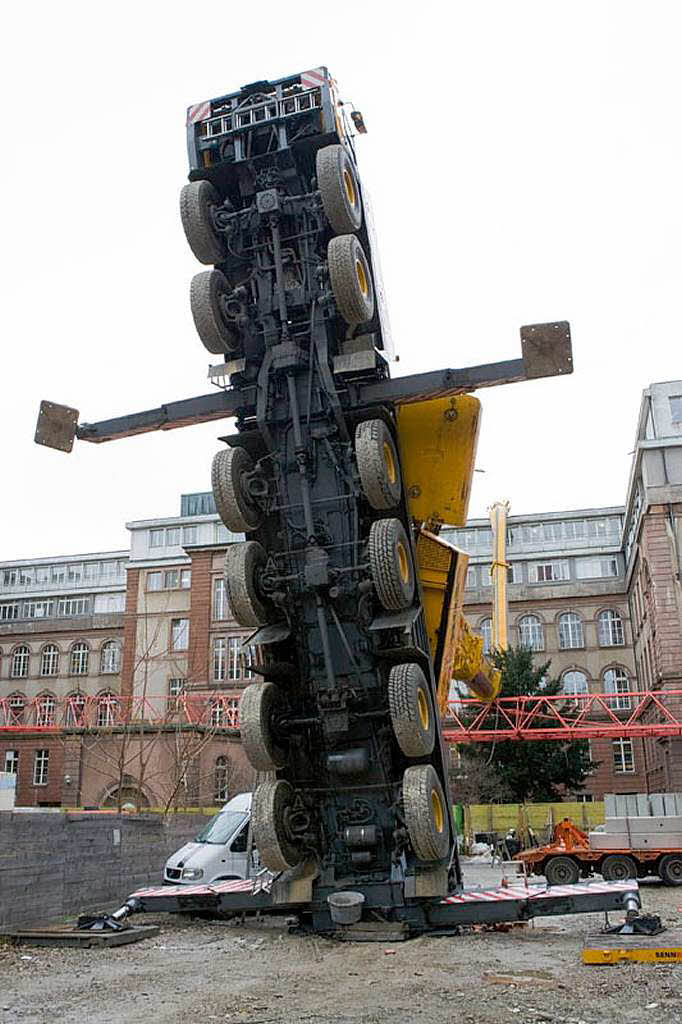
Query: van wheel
(351, 279)
(198, 199)
(561, 871)
(412, 716)
(670, 869)
(339, 191)
(270, 809)
(391, 564)
(378, 465)
(618, 867)
(426, 814)
(242, 565)
(257, 707)
(232, 503)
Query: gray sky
(525, 162)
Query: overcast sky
(525, 162)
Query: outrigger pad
(56, 426)
(546, 349)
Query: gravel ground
(257, 973)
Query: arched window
(486, 631)
(616, 681)
(107, 709)
(610, 628)
(75, 710)
(80, 655)
(45, 709)
(222, 766)
(531, 633)
(16, 706)
(110, 657)
(19, 669)
(49, 660)
(570, 631)
(225, 712)
(573, 682)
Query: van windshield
(221, 828)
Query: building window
(225, 712)
(610, 628)
(616, 681)
(179, 634)
(189, 535)
(75, 710)
(547, 572)
(41, 609)
(570, 631)
(486, 578)
(107, 603)
(157, 538)
(49, 660)
(185, 579)
(219, 658)
(515, 572)
(470, 580)
(16, 704)
(623, 756)
(220, 608)
(531, 633)
(676, 408)
(19, 668)
(251, 659)
(486, 630)
(173, 536)
(176, 688)
(11, 762)
(9, 611)
(69, 606)
(110, 657)
(80, 656)
(154, 581)
(45, 709)
(222, 765)
(41, 761)
(595, 568)
(573, 682)
(107, 706)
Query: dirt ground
(256, 973)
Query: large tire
(339, 190)
(618, 867)
(561, 871)
(414, 723)
(426, 814)
(351, 279)
(378, 464)
(391, 564)
(197, 201)
(207, 293)
(258, 704)
(670, 869)
(233, 505)
(242, 562)
(268, 813)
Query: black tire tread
(236, 512)
(204, 294)
(404, 682)
(617, 858)
(267, 812)
(258, 703)
(370, 437)
(393, 594)
(551, 868)
(427, 843)
(664, 869)
(354, 307)
(196, 199)
(329, 165)
(241, 562)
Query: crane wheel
(670, 869)
(207, 296)
(232, 503)
(198, 199)
(561, 871)
(269, 811)
(426, 813)
(378, 464)
(351, 279)
(618, 867)
(339, 190)
(391, 564)
(242, 563)
(259, 703)
(411, 710)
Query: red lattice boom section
(50, 714)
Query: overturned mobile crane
(339, 477)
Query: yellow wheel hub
(403, 564)
(391, 471)
(423, 709)
(437, 811)
(361, 275)
(349, 186)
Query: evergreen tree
(539, 770)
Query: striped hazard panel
(537, 892)
(241, 885)
(199, 112)
(312, 79)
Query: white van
(219, 852)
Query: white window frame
(20, 662)
(550, 571)
(110, 658)
(107, 707)
(157, 538)
(75, 710)
(11, 762)
(571, 633)
(154, 581)
(41, 766)
(219, 658)
(573, 682)
(46, 709)
(486, 631)
(221, 779)
(533, 626)
(185, 579)
(610, 628)
(623, 756)
(173, 536)
(596, 568)
(221, 610)
(16, 704)
(179, 634)
(617, 681)
(79, 658)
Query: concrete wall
(54, 865)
